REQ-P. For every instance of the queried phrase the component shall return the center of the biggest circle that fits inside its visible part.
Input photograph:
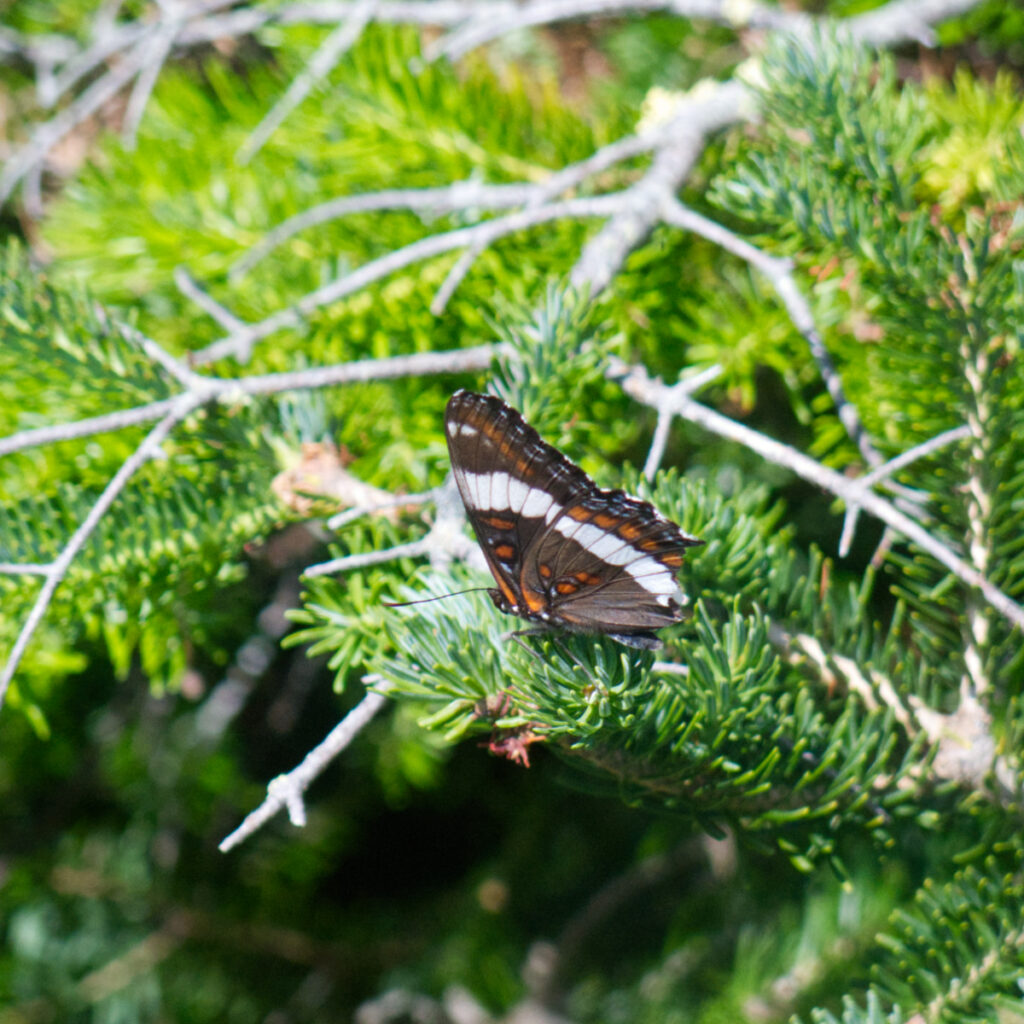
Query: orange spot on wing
(495, 436)
(545, 571)
(505, 552)
(673, 560)
(534, 601)
(567, 588)
(498, 523)
(605, 521)
(628, 531)
(587, 577)
(578, 512)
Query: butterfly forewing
(562, 550)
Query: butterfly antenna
(427, 600)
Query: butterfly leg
(515, 635)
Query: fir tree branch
(639, 385)
(965, 744)
(286, 791)
(57, 569)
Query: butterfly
(563, 552)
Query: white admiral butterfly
(563, 552)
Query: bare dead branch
(155, 51)
(330, 51)
(287, 791)
(189, 287)
(879, 475)
(458, 196)
(239, 343)
(708, 109)
(226, 389)
(497, 19)
(780, 276)
(637, 383)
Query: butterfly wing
(561, 549)
(510, 482)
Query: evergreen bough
(790, 709)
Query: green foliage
(841, 175)
(959, 951)
(149, 580)
(383, 119)
(785, 719)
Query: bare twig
(157, 353)
(707, 110)
(414, 549)
(444, 542)
(189, 287)
(24, 569)
(104, 424)
(878, 475)
(460, 195)
(225, 389)
(901, 21)
(637, 383)
(287, 791)
(569, 177)
(350, 515)
(155, 51)
(919, 451)
(239, 343)
(667, 410)
(498, 19)
(780, 276)
(47, 135)
(111, 37)
(330, 51)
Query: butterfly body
(564, 553)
